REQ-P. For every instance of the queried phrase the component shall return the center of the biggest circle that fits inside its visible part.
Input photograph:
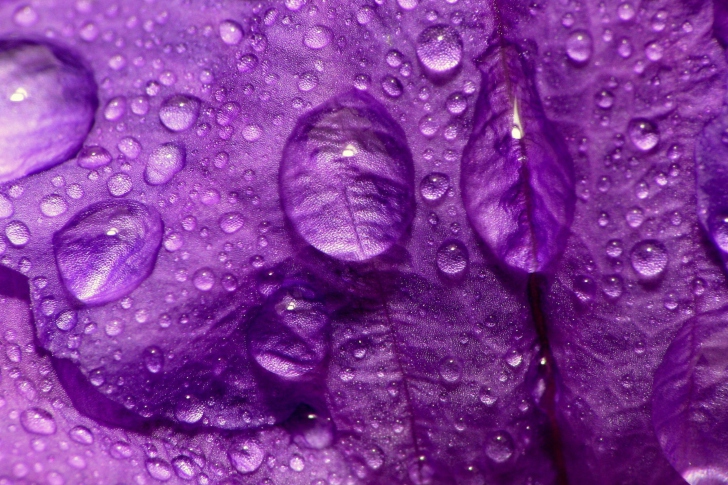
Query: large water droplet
(451, 369)
(440, 48)
(392, 86)
(499, 447)
(164, 163)
(346, 178)
(105, 251)
(53, 205)
(6, 207)
(246, 456)
(643, 134)
(649, 258)
(231, 222)
(46, 109)
(579, 46)
(452, 257)
(38, 421)
(179, 112)
(434, 185)
(185, 467)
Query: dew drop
(82, 435)
(190, 410)
(440, 48)
(119, 184)
(643, 133)
(37, 107)
(105, 251)
(297, 463)
(53, 205)
(579, 46)
(231, 222)
(434, 185)
(452, 258)
(38, 421)
(584, 288)
(499, 447)
(649, 258)
(179, 112)
(392, 86)
(394, 58)
(153, 359)
(456, 103)
(654, 51)
(246, 456)
(231, 32)
(185, 467)
(451, 370)
(625, 11)
(718, 227)
(203, 279)
(93, 157)
(130, 147)
(17, 233)
(159, 469)
(66, 320)
(164, 163)
(317, 37)
(614, 248)
(604, 99)
(6, 207)
(120, 450)
(115, 108)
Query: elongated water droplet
(579, 46)
(164, 163)
(93, 157)
(38, 421)
(517, 179)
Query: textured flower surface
(311, 242)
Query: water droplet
(440, 48)
(231, 222)
(140, 105)
(346, 178)
(643, 133)
(119, 184)
(164, 163)
(231, 32)
(82, 435)
(173, 241)
(247, 63)
(499, 447)
(394, 58)
(654, 51)
(634, 217)
(579, 46)
(6, 207)
(718, 227)
(624, 48)
(25, 16)
(38, 421)
(584, 288)
(407, 4)
(153, 359)
(452, 257)
(105, 251)
(17, 233)
(120, 450)
(317, 37)
(649, 258)
(614, 248)
(421, 472)
(625, 11)
(307, 81)
(36, 107)
(246, 456)
(53, 205)
(190, 410)
(185, 467)
(179, 112)
(93, 157)
(604, 99)
(365, 15)
(451, 369)
(392, 86)
(297, 463)
(159, 469)
(66, 320)
(456, 103)
(434, 185)
(204, 279)
(428, 125)
(130, 147)
(115, 108)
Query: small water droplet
(82, 435)
(153, 359)
(53, 205)
(317, 37)
(179, 112)
(451, 370)
(164, 163)
(231, 32)
(392, 86)
(246, 456)
(204, 279)
(115, 108)
(231, 222)
(119, 184)
(159, 469)
(17, 233)
(38, 421)
(625, 11)
(93, 157)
